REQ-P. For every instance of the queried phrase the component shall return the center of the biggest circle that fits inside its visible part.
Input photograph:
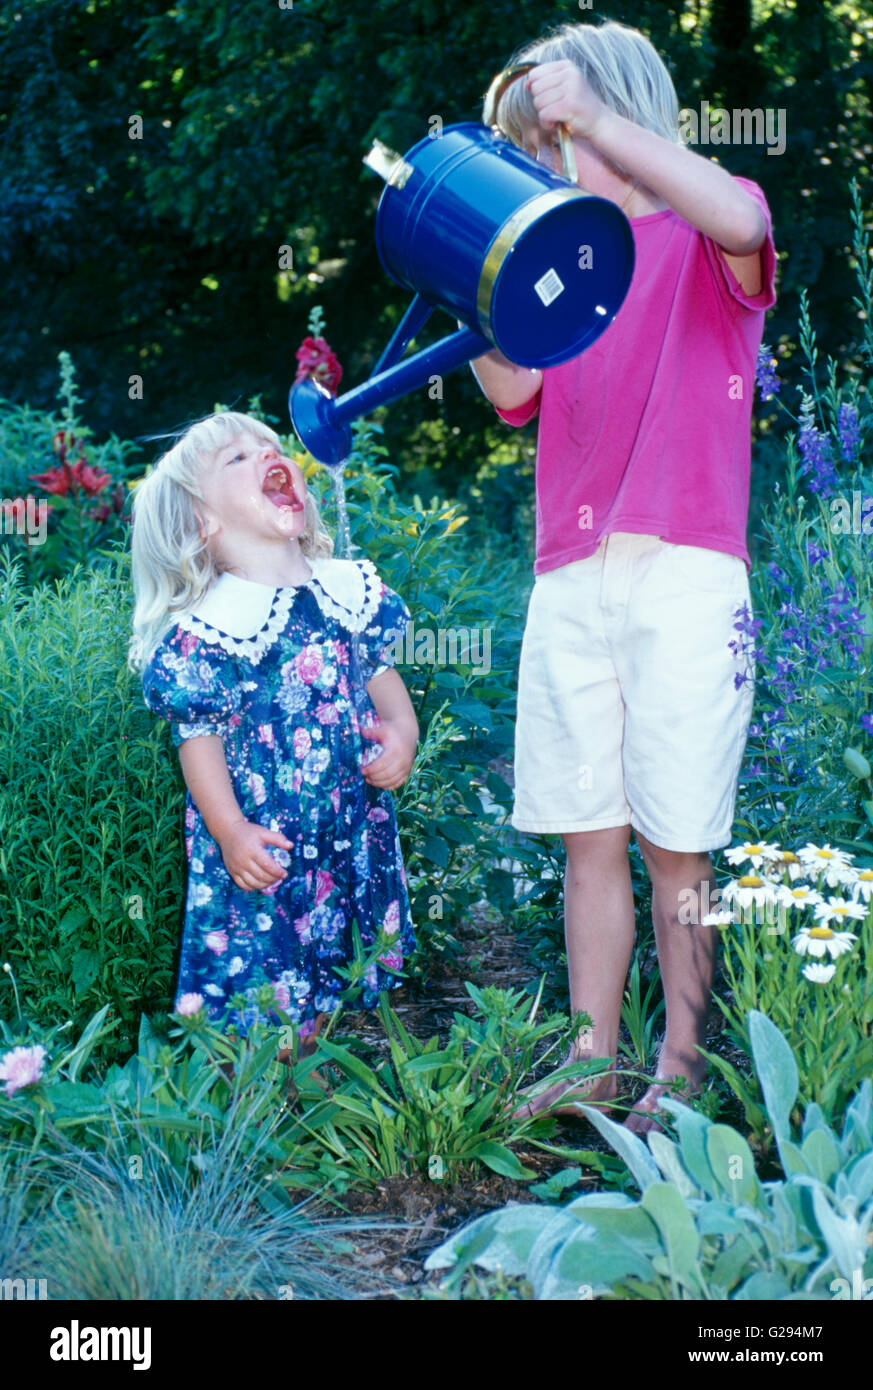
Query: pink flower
(342, 686)
(217, 941)
(309, 664)
(393, 959)
(188, 1004)
(188, 643)
(22, 1067)
(324, 886)
(302, 743)
(334, 795)
(189, 818)
(265, 734)
(301, 926)
(189, 845)
(391, 920)
(377, 813)
(282, 995)
(341, 654)
(326, 713)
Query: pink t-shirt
(648, 430)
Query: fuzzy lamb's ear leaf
(680, 1237)
(634, 1152)
(669, 1160)
(505, 1238)
(845, 1239)
(692, 1128)
(777, 1072)
(732, 1163)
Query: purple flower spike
(850, 432)
(816, 451)
(765, 373)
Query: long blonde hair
(622, 67)
(171, 563)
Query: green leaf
(86, 964)
(77, 1098)
(669, 1159)
(437, 851)
(857, 764)
(822, 1155)
(678, 1233)
(501, 1160)
(777, 1072)
(732, 1163)
(627, 1146)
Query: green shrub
(91, 862)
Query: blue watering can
(534, 265)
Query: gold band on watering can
(498, 86)
(514, 227)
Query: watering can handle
(495, 92)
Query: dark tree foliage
(159, 256)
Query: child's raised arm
(241, 842)
(698, 189)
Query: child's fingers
(274, 837)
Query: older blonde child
(629, 714)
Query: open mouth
(279, 488)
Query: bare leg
(599, 933)
(686, 956)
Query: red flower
(90, 479)
(57, 480)
(317, 359)
(81, 477)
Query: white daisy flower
(197, 866)
(821, 941)
(263, 921)
(823, 859)
(236, 965)
(819, 974)
(862, 885)
(722, 918)
(840, 910)
(788, 863)
(755, 852)
(751, 889)
(201, 894)
(797, 895)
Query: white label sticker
(549, 286)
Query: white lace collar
(245, 618)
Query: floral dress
(279, 675)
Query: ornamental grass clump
(797, 932)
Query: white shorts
(628, 712)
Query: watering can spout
(475, 227)
(388, 164)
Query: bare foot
(644, 1115)
(572, 1093)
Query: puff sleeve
(194, 685)
(381, 642)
